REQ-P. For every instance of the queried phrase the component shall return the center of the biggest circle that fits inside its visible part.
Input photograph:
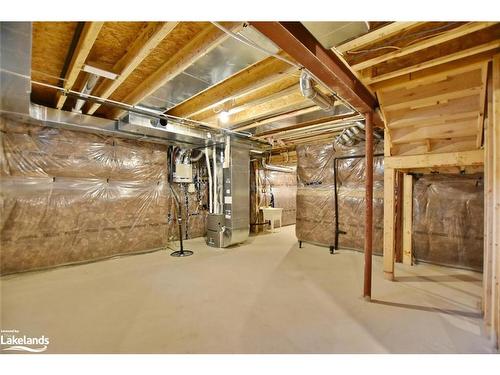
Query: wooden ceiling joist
(451, 159)
(282, 101)
(200, 45)
(282, 82)
(434, 62)
(300, 44)
(280, 117)
(446, 36)
(305, 125)
(377, 35)
(253, 77)
(148, 39)
(85, 42)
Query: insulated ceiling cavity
(226, 59)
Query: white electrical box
(183, 173)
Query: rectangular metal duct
(147, 126)
(226, 59)
(15, 67)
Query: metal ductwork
(87, 90)
(278, 168)
(15, 67)
(355, 134)
(309, 91)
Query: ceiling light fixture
(224, 116)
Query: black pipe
(181, 252)
(337, 229)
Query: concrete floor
(266, 296)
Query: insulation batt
(316, 196)
(283, 186)
(71, 197)
(447, 209)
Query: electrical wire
(406, 37)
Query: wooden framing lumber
(147, 41)
(253, 77)
(496, 196)
(200, 45)
(85, 42)
(427, 43)
(407, 218)
(330, 120)
(377, 35)
(282, 116)
(462, 158)
(389, 221)
(437, 61)
(281, 101)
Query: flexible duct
(278, 168)
(308, 91)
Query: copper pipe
(367, 292)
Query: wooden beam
(250, 78)
(496, 195)
(407, 219)
(417, 94)
(489, 229)
(427, 132)
(148, 39)
(427, 43)
(482, 105)
(300, 44)
(283, 82)
(377, 35)
(281, 101)
(309, 124)
(389, 221)
(430, 63)
(280, 117)
(434, 73)
(85, 43)
(200, 45)
(463, 158)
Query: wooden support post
(407, 218)
(367, 291)
(389, 182)
(398, 225)
(496, 197)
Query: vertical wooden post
(407, 218)
(496, 196)
(367, 291)
(389, 182)
(398, 225)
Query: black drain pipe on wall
(335, 169)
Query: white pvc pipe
(216, 198)
(210, 192)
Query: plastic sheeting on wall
(316, 195)
(70, 196)
(448, 220)
(281, 187)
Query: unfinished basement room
(251, 187)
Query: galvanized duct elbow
(277, 168)
(308, 91)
